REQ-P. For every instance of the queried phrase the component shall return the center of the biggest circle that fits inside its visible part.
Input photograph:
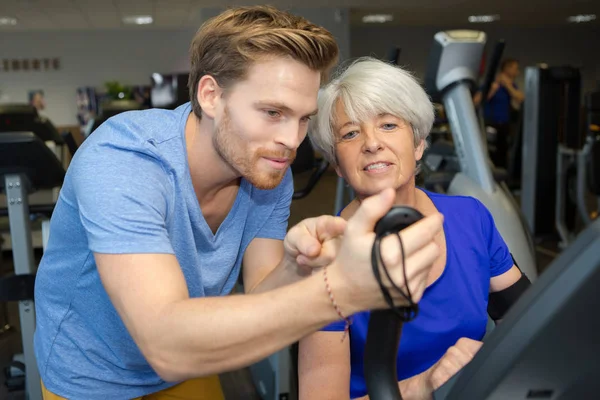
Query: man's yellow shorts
(208, 388)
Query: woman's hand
(421, 387)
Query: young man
(160, 210)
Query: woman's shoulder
(452, 200)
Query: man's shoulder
(157, 125)
(133, 137)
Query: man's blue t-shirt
(128, 190)
(455, 305)
(497, 109)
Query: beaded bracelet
(337, 308)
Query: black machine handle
(383, 340)
(393, 55)
(385, 326)
(492, 69)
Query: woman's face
(376, 154)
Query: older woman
(372, 125)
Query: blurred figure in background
(503, 97)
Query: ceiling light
(581, 18)
(377, 18)
(138, 19)
(478, 19)
(8, 21)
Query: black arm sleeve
(500, 302)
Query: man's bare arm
(184, 338)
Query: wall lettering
(30, 64)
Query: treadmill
(25, 118)
(26, 165)
(112, 108)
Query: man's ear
(209, 94)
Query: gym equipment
(26, 165)
(490, 76)
(343, 195)
(551, 117)
(25, 118)
(453, 65)
(306, 161)
(583, 162)
(112, 108)
(169, 90)
(273, 376)
(547, 345)
(393, 55)
(385, 326)
(440, 160)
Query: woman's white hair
(369, 87)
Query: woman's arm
(324, 366)
(505, 280)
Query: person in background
(37, 100)
(503, 97)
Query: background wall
(90, 58)
(574, 45)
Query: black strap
(500, 302)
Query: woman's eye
(389, 127)
(350, 135)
